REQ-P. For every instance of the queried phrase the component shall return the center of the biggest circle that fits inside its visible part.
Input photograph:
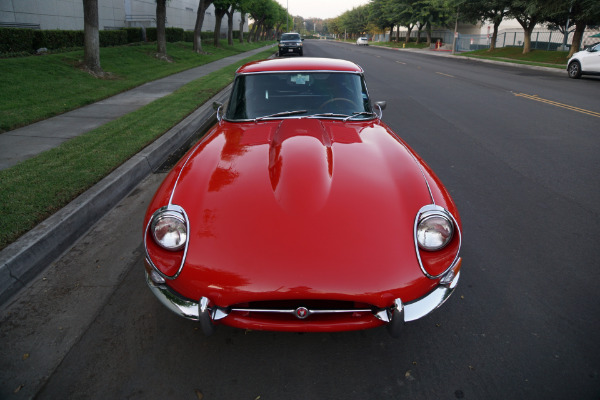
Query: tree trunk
(91, 38)
(391, 33)
(202, 6)
(494, 37)
(230, 26)
(527, 41)
(428, 30)
(528, 26)
(577, 36)
(252, 32)
(257, 31)
(161, 39)
(242, 22)
(218, 18)
(409, 30)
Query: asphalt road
(522, 324)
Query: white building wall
(68, 14)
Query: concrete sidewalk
(26, 142)
(24, 259)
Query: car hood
(321, 206)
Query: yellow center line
(557, 104)
(450, 76)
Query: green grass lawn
(38, 87)
(33, 190)
(556, 59)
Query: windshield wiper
(356, 114)
(329, 115)
(280, 114)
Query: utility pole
(287, 10)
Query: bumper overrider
(393, 316)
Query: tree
(527, 13)
(381, 16)
(259, 10)
(202, 7)
(221, 7)
(580, 14)
(584, 13)
(161, 38)
(230, 12)
(91, 53)
(486, 10)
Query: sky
(320, 8)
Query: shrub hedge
(16, 40)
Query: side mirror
(381, 105)
(218, 107)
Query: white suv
(586, 62)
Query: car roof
(299, 64)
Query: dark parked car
(290, 43)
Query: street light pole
(566, 35)
(287, 10)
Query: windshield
(290, 36)
(299, 95)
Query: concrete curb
(24, 259)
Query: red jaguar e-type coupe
(300, 210)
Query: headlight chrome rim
(180, 212)
(426, 224)
(176, 225)
(433, 209)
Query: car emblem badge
(301, 312)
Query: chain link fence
(540, 40)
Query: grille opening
(310, 304)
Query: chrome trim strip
(293, 311)
(179, 175)
(311, 71)
(416, 162)
(180, 210)
(436, 209)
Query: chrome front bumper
(197, 310)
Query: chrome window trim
(361, 73)
(433, 209)
(294, 71)
(270, 119)
(168, 208)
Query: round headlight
(434, 232)
(169, 230)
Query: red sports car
(300, 210)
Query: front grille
(303, 309)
